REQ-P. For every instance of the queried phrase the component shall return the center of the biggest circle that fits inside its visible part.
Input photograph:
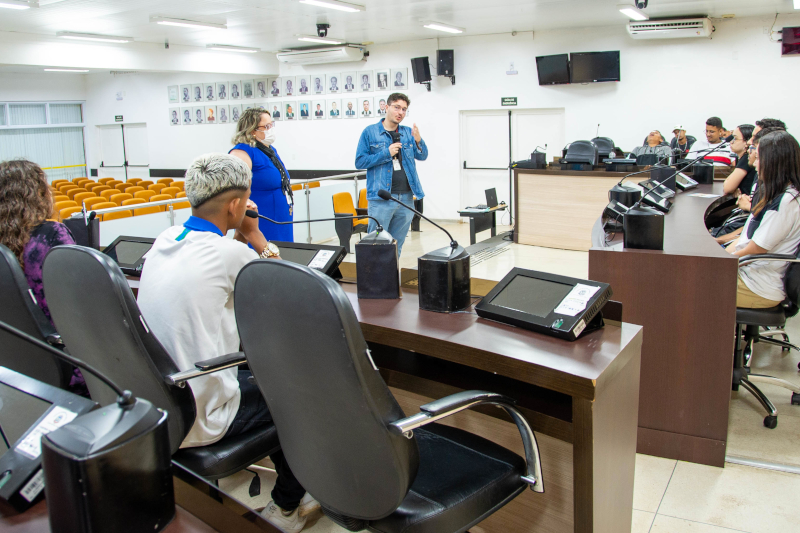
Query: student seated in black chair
(186, 296)
(774, 223)
(654, 145)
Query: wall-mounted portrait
(208, 92)
(290, 110)
(382, 80)
(350, 107)
(318, 108)
(303, 83)
(332, 83)
(173, 94)
(236, 111)
(247, 106)
(197, 93)
(365, 109)
(198, 115)
(349, 81)
(175, 116)
(235, 89)
(222, 90)
(274, 87)
(399, 79)
(187, 119)
(186, 94)
(289, 88)
(305, 109)
(365, 81)
(334, 109)
(318, 84)
(261, 88)
(275, 110)
(247, 89)
(380, 106)
(262, 105)
(223, 114)
(211, 114)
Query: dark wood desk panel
(685, 297)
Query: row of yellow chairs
(299, 186)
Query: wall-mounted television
(591, 67)
(553, 70)
(790, 44)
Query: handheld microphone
(597, 134)
(386, 195)
(253, 214)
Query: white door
(112, 152)
(136, 151)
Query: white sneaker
(292, 523)
(308, 505)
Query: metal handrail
(129, 207)
(338, 176)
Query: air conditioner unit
(308, 56)
(671, 29)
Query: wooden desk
(482, 220)
(580, 398)
(685, 297)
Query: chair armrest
(361, 211)
(209, 366)
(450, 405)
(55, 340)
(785, 258)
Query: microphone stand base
(444, 280)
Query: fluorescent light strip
(229, 48)
(443, 27)
(635, 13)
(315, 39)
(335, 4)
(64, 70)
(93, 37)
(797, 4)
(183, 23)
(16, 4)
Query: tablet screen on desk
(298, 255)
(128, 252)
(534, 296)
(18, 412)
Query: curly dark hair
(25, 202)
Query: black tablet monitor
(553, 70)
(320, 257)
(546, 303)
(591, 67)
(128, 252)
(29, 409)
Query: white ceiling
(273, 24)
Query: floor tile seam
(699, 522)
(671, 475)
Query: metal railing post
(171, 215)
(308, 210)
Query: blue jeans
(394, 218)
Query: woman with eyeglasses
(774, 223)
(743, 176)
(270, 187)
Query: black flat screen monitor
(553, 70)
(128, 252)
(591, 67)
(320, 257)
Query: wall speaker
(444, 62)
(421, 69)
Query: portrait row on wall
(346, 108)
(350, 82)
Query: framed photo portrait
(222, 90)
(303, 85)
(208, 92)
(186, 94)
(290, 110)
(380, 106)
(187, 118)
(334, 109)
(305, 109)
(318, 108)
(288, 86)
(349, 81)
(262, 105)
(275, 110)
(211, 114)
(249, 105)
(174, 116)
(365, 107)
(247, 89)
(350, 107)
(198, 115)
(365, 81)
(173, 94)
(318, 84)
(197, 93)
(399, 79)
(274, 87)
(223, 114)
(332, 83)
(236, 112)
(261, 88)
(382, 80)
(235, 89)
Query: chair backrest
(134, 189)
(165, 181)
(80, 181)
(72, 192)
(81, 196)
(604, 146)
(147, 210)
(145, 183)
(171, 191)
(791, 284)
(133, 201)
(159, 198)
(97, 316)
(105, 180)
(104, 205)
(181, 205)
(60, 198)
(56, 183)
(68, 211)
(343, 203)
(92, 186)
(91, 202)
(113, 184)
(180, 195)
(122, 186)
(330, 405)
(178, 184)
(100, 188)
(119, 197)
(362, 199)
(156, 187)
(58, 206)
(313, 184)
(144, 195)
(64, 188)
(581, 152)
(116, 215)
(297, 187)
(18, 309)
(109, 193)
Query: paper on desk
(704, 195)
(321, 259)
(576, 300)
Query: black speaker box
(703, 172)
(444, 62)
(421, 69)
(659, 174)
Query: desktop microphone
(444, 277)
(625, 195)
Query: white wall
(22, 87)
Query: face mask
(269, 137)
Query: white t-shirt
(186, 297)
(702, 148)
(776, 229)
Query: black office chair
(748, 324)
(344, 435)
(581, 152)
(18, 308)
(93, 306)
(604, 145)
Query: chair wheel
(795, 398)
(770, 422)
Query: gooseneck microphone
(386, 195)
(253, 214)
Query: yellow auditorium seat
(91, 202)
(133, 201)
(135, 181)
(116, 215)
(72, 192)
(362, 199)
(181, 205)
(172, 191)
(134, 189)
(156, 187)
(65, 213)
(181, 194)
(105, 180)
(144, 195)
(81, 196)
(118, 198)
(165, 181)
(109, 193)
(145, 183)
(159, 198)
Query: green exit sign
(118, 118)
(508, 100)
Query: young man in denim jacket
(391, 166)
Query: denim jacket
(373, 155)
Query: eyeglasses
(265, 128)
(399, 109)
(752, 148)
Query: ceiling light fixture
(229, 48)
(315, 39)
(797, 4)
(64, 70)
(438, 26)
(17, 4)
(93, 37)
(183, 23)
(335, 4)
(634, 12)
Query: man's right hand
(394, 148)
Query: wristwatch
(270, 250)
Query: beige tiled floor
(669, 496)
